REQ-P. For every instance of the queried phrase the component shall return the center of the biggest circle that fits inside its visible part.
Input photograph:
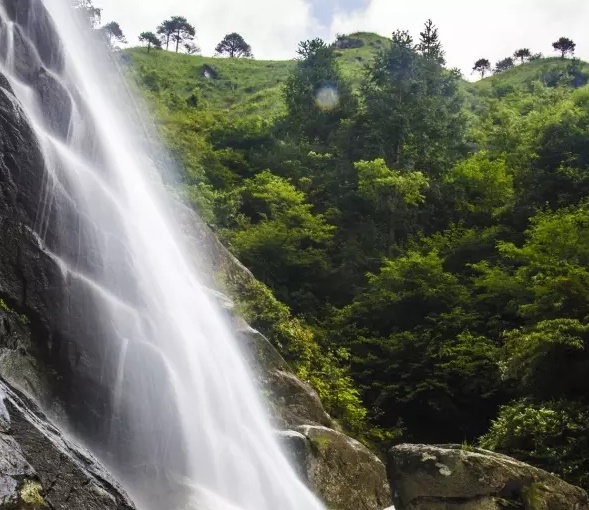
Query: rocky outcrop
(452, 478)
(292, 402)
(40, 469)
(342, 471)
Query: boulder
(339, 469)
(450, 477)
(39, 468)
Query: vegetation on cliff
(422, 241)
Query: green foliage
(430, 44)
(420, 242)
(278, 237)
(504, 65)
(376, 180)
(176, 29)
(552, 435)
(523, 54)
(534, 497)
(482, 188)
(325, 369)
(412, 109)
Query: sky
(469, 29)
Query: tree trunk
(177, 41)
(392, 234)
(148, 47)
(167, 42)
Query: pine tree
(503, 65)
(565, 46)
(151, 39)
(523, 54)
(234, 45)
(429, 43)
(482, 66)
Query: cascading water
(180, 419)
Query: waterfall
(174, 409)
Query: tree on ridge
(234, 45)
(482, 66)
(151, 39)
(176, 29)
(523, 54)
(565, 45)
(165, 31)
(503, 65)
(183, 31)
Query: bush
(553, 436)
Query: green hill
(239, 86)
(249, 86)
(547, 71)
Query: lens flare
(327, 98)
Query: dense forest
(421, 242)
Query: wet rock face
(64, 356)
(39, 468)
(450, 478)
(40, 29)
(56, 103)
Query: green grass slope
(237, 86)
(546, 70)
(242, 86)
(254, 87)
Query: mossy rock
(449, 477)
(31, 496)
(343, 472)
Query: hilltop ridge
(254, 87)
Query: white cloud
(473, 29)
(272, 27)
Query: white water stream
(178, 384)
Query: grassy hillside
(234, 85)
(546, 70)
(254, 87)
(237, 86)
